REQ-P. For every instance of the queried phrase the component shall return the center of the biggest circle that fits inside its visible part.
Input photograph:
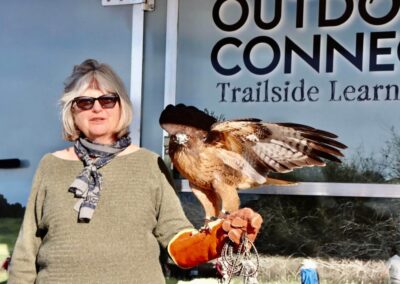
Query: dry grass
(340, 228)
(286, 270)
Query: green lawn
(9, 228)
(167, 281)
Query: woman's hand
(242, 221)
(191, 247)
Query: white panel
(171, 47)
(321, 189)
(171, 52)
(120, 2)
(137, 71)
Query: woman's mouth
(97, 119)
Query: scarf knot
(87, 185)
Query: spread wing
(276, 147)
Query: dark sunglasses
(86, 103)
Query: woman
(98, 210)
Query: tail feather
(279, 182)
(269, 181)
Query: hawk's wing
(276, 147)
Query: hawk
(220, 157)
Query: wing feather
(237, 162)
(278, 147)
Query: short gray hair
(92, 74)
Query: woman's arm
(23, 261)
(171, 219)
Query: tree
(391, 157)
(15, 210)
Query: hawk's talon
(207, 220)
(223, 214)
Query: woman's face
(98, 124)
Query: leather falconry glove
(190, 248)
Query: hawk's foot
(206, 226)
(223, 214)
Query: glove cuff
(190, 248)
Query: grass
(280, 269)
(168, 281)
(9, 228)
(286, 270)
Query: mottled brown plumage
(219, 158)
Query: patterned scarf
(87, 185)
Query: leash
(244, 262)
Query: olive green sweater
(138, 209)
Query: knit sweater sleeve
(171, 218)
(23, 261)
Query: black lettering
(313, 90)
(300, 88)
(286, 90)
(362, 7)
(214, 56)
(356, 60)
(223, 90)
(398, 51)
(375, 51)
(275, 91)
(234, 91)
(274, 22)
(396, 92)
(349, 90)
(233, 27)
(364, 93)
(299, 13)
(376, 92)
(266, 91)
(275, 59)
(324, 22)
(313, 60)
(248, 92)
(258, 91)
(333, 92)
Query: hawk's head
(186, 125)
(180, 118)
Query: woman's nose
(97, 107)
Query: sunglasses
(87, 103)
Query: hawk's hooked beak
(181, 138)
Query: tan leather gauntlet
(191, 247)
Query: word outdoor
(369, 44)
(267, 92)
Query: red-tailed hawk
(219, 158)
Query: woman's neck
(69, 153)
